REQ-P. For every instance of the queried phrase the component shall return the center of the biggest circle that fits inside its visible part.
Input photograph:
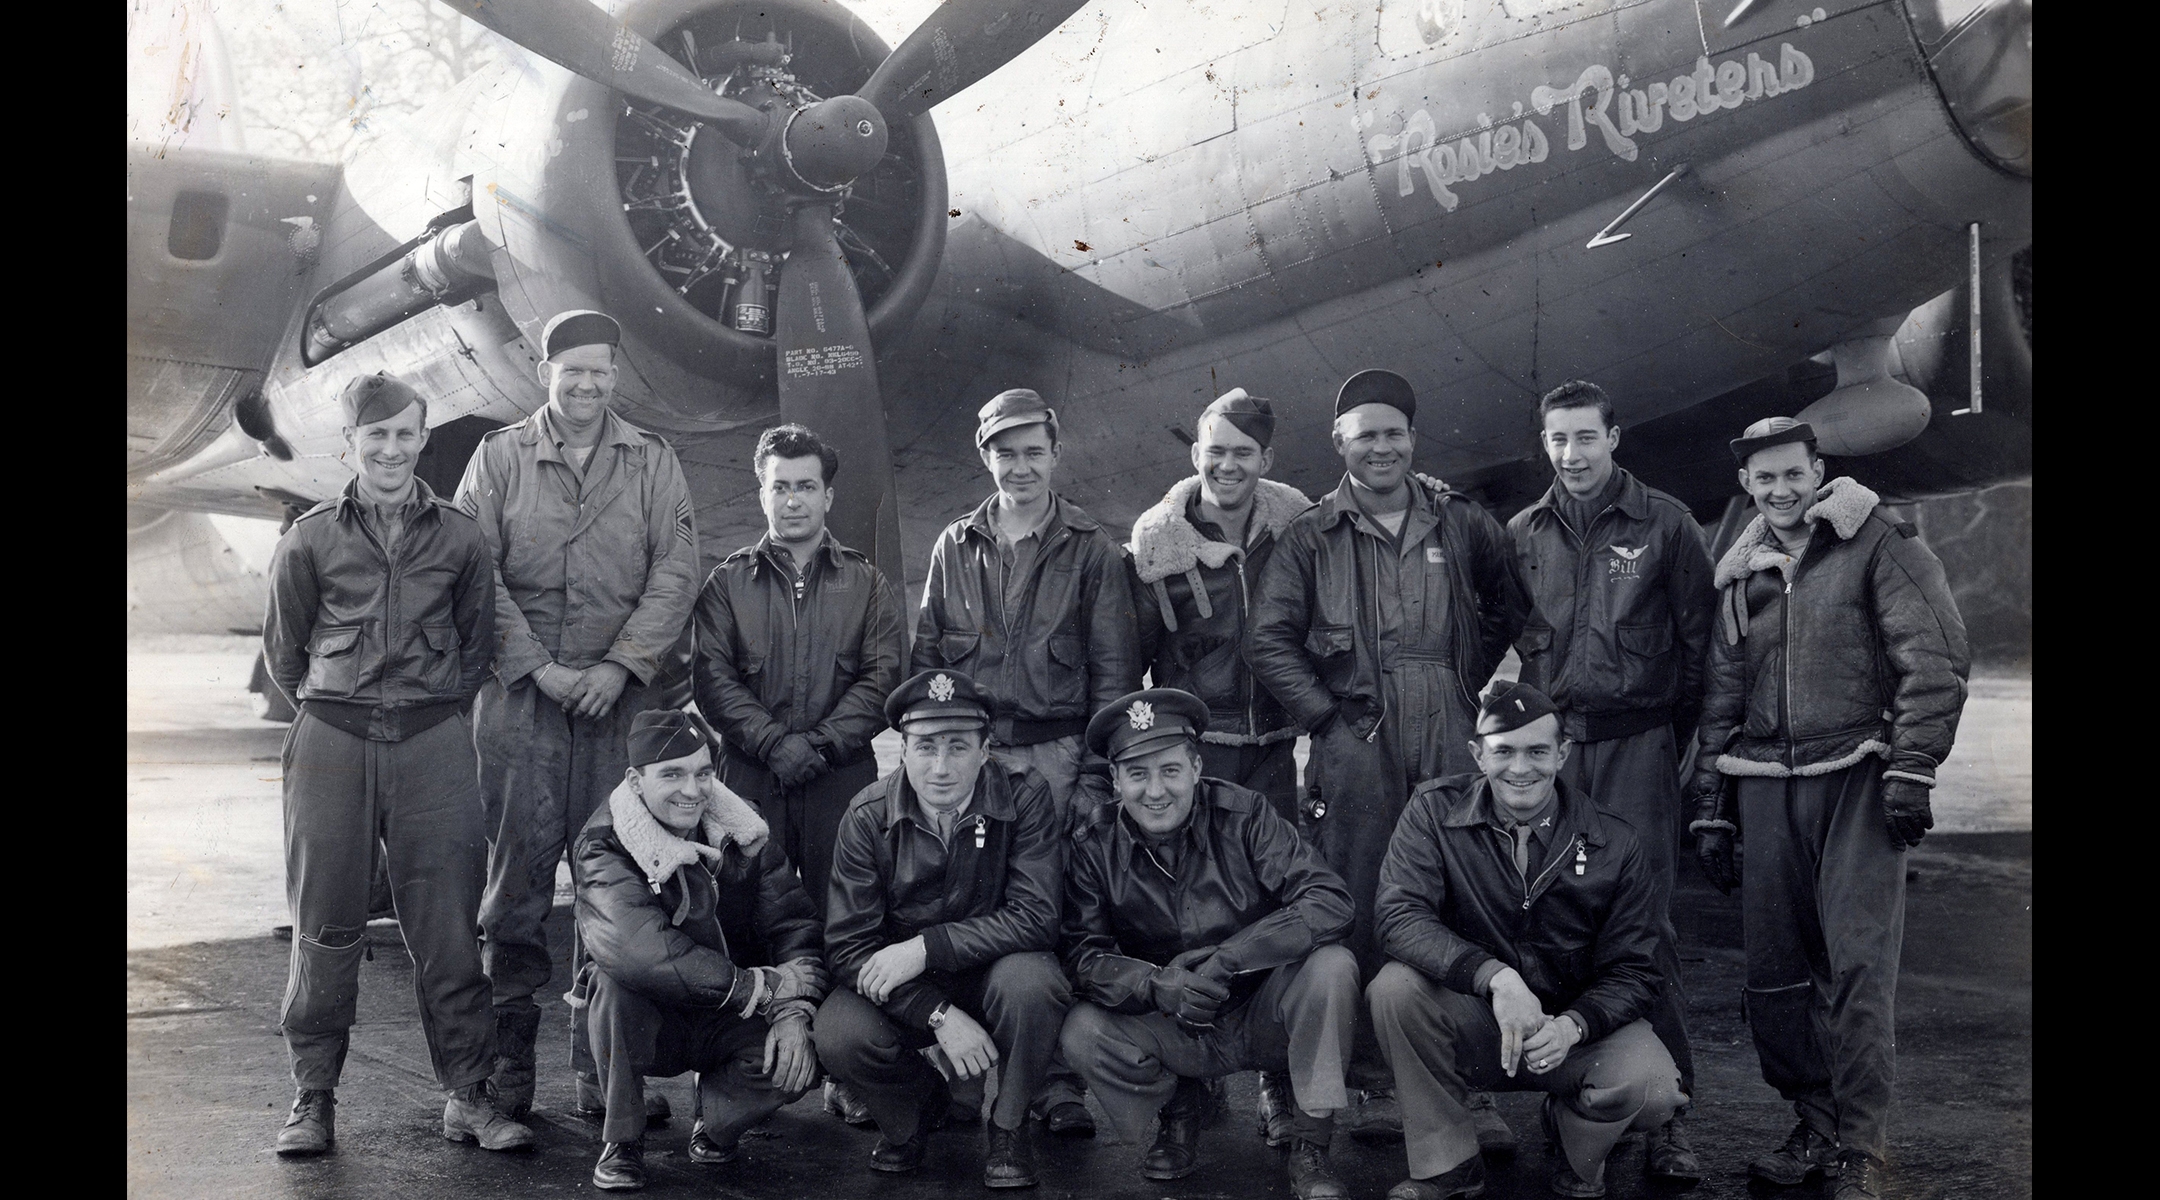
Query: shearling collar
(1164, 543)
(1843, 502)
(659, 853)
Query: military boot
(1859, 1177)
(621, 1167)
(842, 1102)
(312, 1127)
(1494, 1134)
(512, 1084)
(1176, 1151)
(1670, 1157)
(1312, 1177)
(1008, 1159)
(1273, 1103)
(1804, 1153)
(1375, 1116)
(470, 1116)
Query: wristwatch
(936, 1020)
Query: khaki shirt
(591, 569)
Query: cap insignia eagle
(1141, 715)
(941, 688)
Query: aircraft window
(198, 225)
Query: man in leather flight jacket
(1621, 581)
(1204, 937)
(939, 928)
(1522, 927)
(1836, 679)
(380, 625)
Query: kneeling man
(1522, 925)
(939, 924)
(1204, 937)
(703, 950)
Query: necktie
(1522, 852)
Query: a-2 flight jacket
(1071, 648)
(1315, 636)
(745, 912)
(398, 642)
(1857, 650)
(1245, 883)
(991, 892)
(1193, 616)
(1622, 619)
(584, 577)
(1450, 901)
(775, 657)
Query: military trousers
(1443, 1044)
(1636, 778)
(542, 771)
(413, 805)
(1270, 770)
(634, 1036)
(1021, 999)
(1059, 761)
(1822, 901)
(1300, 1022)
(805, 820)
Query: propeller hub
(832, 141)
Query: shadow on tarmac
(207, 1083)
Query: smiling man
(1621, 581)
(942, 915)
(1522, 927)
(704, 953)
(589, 523)
(1383, 611)
(1836, 679)
(1203, 935)
(380, 625)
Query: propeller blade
(828, 381)
(960, 43)
(586, 41)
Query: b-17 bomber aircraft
(1717, 209)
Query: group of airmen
(1073, 885)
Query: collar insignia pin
(941, 688)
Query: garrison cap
(1010, 409)
(660, 734)
(1512, 706)
(578, 327)
(938, 701)
(1377, 386)
(1768, 432)
(1147, 721)
(378, 397)
(1249, 415)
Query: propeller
(826, 366)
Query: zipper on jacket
(1529, 893)
(1785, 667)
(1252, 708)
(1380, 679)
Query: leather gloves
(1713, 829)
(795, 762)
(763, 988)
(1906, 811)
(1191, 996)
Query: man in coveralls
(1836, 679)
(379, 629)
(589, 523)
(1621, 579)
(1383, 611)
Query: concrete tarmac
(208, 1085)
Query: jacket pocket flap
(1327, 640)
(1065, 648)
(1535, 639)
(440, 638)
(955, 645)
(330, 642)
(1646, 640)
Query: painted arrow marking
(1607, 237)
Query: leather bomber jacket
(1623, 611)
(1247, 883)
(990, 892)
(349, 625)
(1314, 640)
(1071, 651)
(1450, 901)
(747, 912)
